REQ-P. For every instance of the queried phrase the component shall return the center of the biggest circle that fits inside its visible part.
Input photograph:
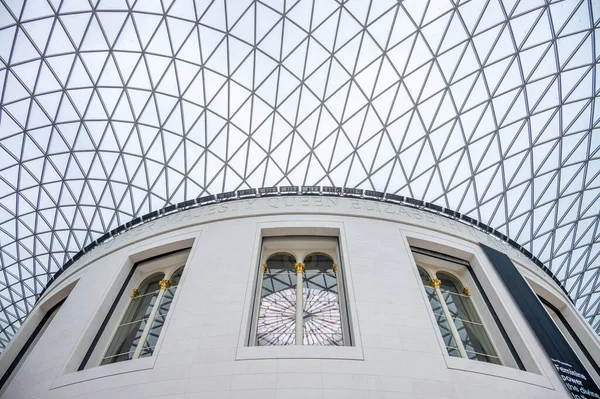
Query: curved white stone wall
(202, 352)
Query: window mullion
(150, 321)
(435, 283)
(299, 267)
(341, 303)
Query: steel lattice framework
(110, 109)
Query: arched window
(320, 302)
(440, 316)
(161, 313)
(277, 313)
(462, 331)
(141, 324)
(300, 295)
(134, 322)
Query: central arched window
(300, 301)
(461, 327)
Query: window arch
(277, 312)
(425, 277)
(320, 302)
(175, 277)
(462, 330)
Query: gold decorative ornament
(435, 283)
(135, 293)
(164, 284)
(299, 267)
(264, 268)
(466, 291)
(335, 268)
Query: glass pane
(147, 352)
(483, 358)
(277, 318)
(472, 333)
(460, 306)
(133, 323)
(319, 274)
(159, 319)
(424, 277)
(117, 358)
(277, 338)
(141, 306)
(125, 341)
(277, 313)
(280, 274)
(453, 351)
(447, 336)
(322, 323)
(474, 337)
(176, 277)
(440, 318)
(167, 299)
(434, 301)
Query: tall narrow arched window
(320, 302)
(134, 322)
(440, 315)
(126, 340)
(462, 331)
(277, 312)
(143, 320)
(161, 314)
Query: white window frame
(300, 247)
(515, 326)
(121, 259)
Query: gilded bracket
(264, 268)
(466, 291)
(335, 268)
(435, 283)
(135, 293)
(164, 284)
(299, 267)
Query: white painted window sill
(93, 373)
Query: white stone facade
(202, 351)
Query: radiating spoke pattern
(277, 319)
(111, 109)
(321, 318)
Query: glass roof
(110, 109)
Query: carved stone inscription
(440, 223)
(311, 204)
(287, 202)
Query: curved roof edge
(305, 190)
